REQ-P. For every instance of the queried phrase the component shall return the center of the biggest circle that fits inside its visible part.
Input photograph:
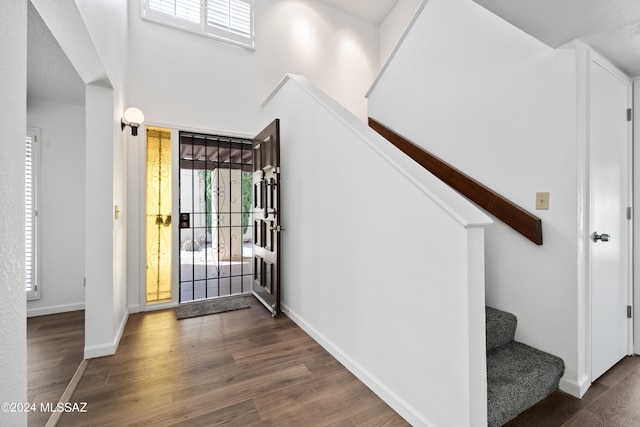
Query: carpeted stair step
(501, 327)
(518, 376)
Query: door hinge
(629, 213)
(629, 310)
(629, 114)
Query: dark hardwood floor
(244, 368)
(240, 368)
(613, 400)
(55, 348)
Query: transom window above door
(226, 20)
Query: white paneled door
(610, 232)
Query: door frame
(635, 260)
(594, 57)
(136, 204)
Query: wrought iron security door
(216, 231)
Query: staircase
(518, 376)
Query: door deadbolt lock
(602, 237)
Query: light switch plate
(542, 201)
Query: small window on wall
(227, 20)
(31, 213)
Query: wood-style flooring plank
(619, 406)
(556, 409)
(613, 400)
(244, 368)
(55, 349)
(241, 368)
(620, 371)
(378, 415)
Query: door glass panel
(158, 215)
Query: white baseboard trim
(158, 306)
(99, 350)
(56, 309)
(388, 396)
(576, 388)
(108, 349)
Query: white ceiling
(50, 75)
(611, 27)
(371, 11)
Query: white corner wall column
(13, 127)
(576, 379)
(477, 325)
(101, 327)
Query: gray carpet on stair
(518, 376)
(501, 327)
(210, 306)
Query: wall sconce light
(133, 118)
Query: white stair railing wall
(383, 264)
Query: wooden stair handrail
(530, 226)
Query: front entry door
(266, 217)
(610, 227)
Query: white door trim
(636, 230)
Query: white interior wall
(135, 203)
(111, 45)
(501, 106)
(13, 87)
(61, 206)
(394, 25)
(200, 83)
(397, 299)
(191, 82)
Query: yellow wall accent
(158, 215)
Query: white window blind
(31, 214)
(183, 9)
(228, 20)
(233, 15)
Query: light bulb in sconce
(133, 118)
